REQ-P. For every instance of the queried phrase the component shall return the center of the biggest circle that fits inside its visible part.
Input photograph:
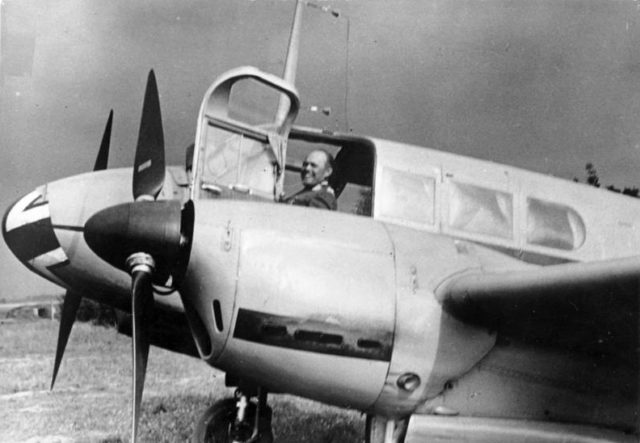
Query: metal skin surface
(447, 429)
(333, 273)
(70, 202)
(340, 275)
(610, 219)
(435, 313)
(527, 382)
(428, 342)
(437, 305)
(306, 275)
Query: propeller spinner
(149, 239)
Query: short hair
(328, 156)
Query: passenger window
(407, 197)
(554, 225)
(480, 210)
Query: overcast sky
(544, 85)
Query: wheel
(215, 424)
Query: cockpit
(248, 149)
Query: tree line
(593, 179)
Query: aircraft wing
(589, 307)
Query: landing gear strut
(236, 420)
(383, 430)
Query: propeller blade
(142, 311)
(103, 154)
(67, 318)
(149, 166)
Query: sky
(546, 85)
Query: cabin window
(480, 210)
(553, 225)
(407, 197)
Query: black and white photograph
(320, 221)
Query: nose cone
(29, 234)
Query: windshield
(242, 133)
(238, 163)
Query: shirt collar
(323, 185)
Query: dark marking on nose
(32, 240)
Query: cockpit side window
(352, 177)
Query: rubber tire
(213, 425)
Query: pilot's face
(315, 169)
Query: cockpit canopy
(247, 148)
(235, 156)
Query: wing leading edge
(589, 307)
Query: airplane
(466, 301)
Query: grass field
(91, 399)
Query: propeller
(148, 167)
(149, 239)
(142, 311)
(72, 299)
(67, 318)
(148, 178)
(103, 154)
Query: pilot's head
(316, 168)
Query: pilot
(315, 173)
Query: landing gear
(383, 430)
(236, 420)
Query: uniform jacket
(320, 196)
